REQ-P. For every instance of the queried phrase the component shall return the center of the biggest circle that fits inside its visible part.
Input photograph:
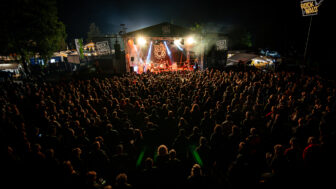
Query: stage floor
(172, 69)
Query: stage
(163, 48)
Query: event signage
(310, 7)
(221, 45)
(160, 51)
(73, 59)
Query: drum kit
(158, 67)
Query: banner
(103, 47)
(160, 56)
(73, 59)
(79, 47)
(159, 51)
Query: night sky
(273, 23)
(77, 15)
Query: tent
(11, 68)
(240, 57)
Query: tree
(247, 39)
(93, 33)
(31, 27)
(199, 28)
(240, 38)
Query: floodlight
(190, 40)
(141, 41)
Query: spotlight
(190, 40)
(142, 41)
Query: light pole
(305, 51)
(309, 8)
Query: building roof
(244, 57)
(165, 29)
(9, 66)
(91, 44)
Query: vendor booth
(10, 69)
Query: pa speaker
(117, 50)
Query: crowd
(202, 129)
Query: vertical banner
(160, 55)
(79, 47)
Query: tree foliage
(93, 32)
(196, 27)
(31, 27)
(240, 38)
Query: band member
(141, 68)
(167, 65)
(196, 64)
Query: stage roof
(165, 29)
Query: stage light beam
(140, 158)
(177, 43)
(168, 51)
(179, 47)
(196, 155)
(149, 53)
(138, 54)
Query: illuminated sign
(221, 45)
(310, 7)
